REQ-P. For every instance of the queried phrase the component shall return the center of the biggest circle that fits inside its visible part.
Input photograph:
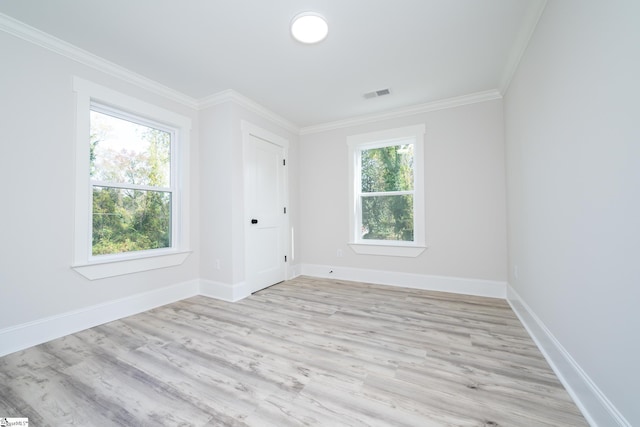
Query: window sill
(387, 249)
(109, 268)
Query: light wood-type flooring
(304, 352)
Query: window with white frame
(387, 191)
(132, 190)
(131, 182)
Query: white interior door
(265, 212)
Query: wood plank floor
(304, 352)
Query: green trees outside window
(130, 169)
(387, 193)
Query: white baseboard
(224, 291)
(293, 271)
(19, 337)
(595, 406)
(457, 285)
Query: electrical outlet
(515, 272)
(339, 253)
(217, 264)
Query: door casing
(250, 130)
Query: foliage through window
(130, 172)
(132, 184)
(387, 197)
(387, 192)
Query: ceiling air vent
(377, 93)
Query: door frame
(249, 129)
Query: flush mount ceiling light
(309, 27)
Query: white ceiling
(422, 50)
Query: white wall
(222, 189)
(464, 196)
(37, 158)
(37, 162)
(216, 195)
(573, 148)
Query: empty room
(320, 212)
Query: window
(387, 197)
(131, 184)
(132, 192)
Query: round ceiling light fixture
(309, 27)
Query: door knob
(254, 221)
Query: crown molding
(49, 42)
(231, 95)
(528, 27)
(40, 38)
(21, 30)
(442, 104)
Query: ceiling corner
(230, 95)
(528, 27)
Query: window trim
(97, 267)
(396, 136)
